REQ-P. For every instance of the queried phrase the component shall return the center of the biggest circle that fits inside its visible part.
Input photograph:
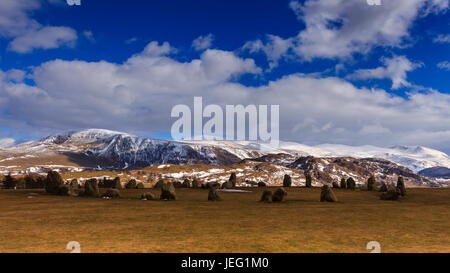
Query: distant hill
(436, 172)
(111, 150)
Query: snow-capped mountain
(117, 150)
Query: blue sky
(341, 71)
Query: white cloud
(138, 95)
(203, 42)
(153, 49)
(222, 65)
(15, 75)
(14, 20)
(27, 33)
(44, 38)
(444, 65)
(341, 28)
(442, 39)
(394, 69)
(275, 48)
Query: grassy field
(418, 223)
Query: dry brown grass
(417, 223)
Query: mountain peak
(87, 135)
(94, 132)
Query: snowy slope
(415, 158)
(122, 149)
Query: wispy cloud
(89, 36)
(131, 40)
(442, 39)
(444, 65)
(203, 42)
(394, 68)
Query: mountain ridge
(133, 149)
(99, 149)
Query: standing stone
(111, 193)
(391, 194)
(74, 188)
(186, 183)
(91, 188)
(168, 192)
(327, 195)
(351, 184)
(308, 180)
(116, 183)
(213, 196)
(159, 184)
(343, 183)
(196, 184)
(371, 183)
(53, 182)
(131, 184)
(63, 190)
(103, 183)
(233, 180)
(401, 186)
(266, 196)
(261, 184)
(383, 187)
(287, 181)
(148, 196)
(279, 195)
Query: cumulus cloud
(138, 95)
(341, 28)
(444, 65)
(14, 75)
(28, 34)
(44, 38)
(203, 42)
(394, 69)
(153, 49)
(14, 19)
(275, 48)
